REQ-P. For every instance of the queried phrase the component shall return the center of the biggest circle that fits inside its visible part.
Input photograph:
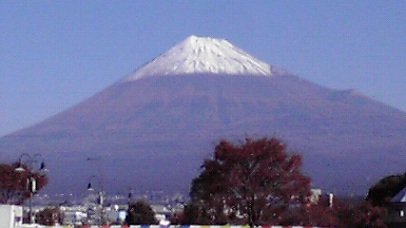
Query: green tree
(140, 213)
(255, 183)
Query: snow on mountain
(200, 55)
(173, 123)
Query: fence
(158, 226)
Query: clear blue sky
(54, 54)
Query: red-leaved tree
(15, 187)
(255, 183)
(50, 216)
(343, 215)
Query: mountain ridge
(155, 131)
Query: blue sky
(54, 54)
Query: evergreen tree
(385, 189)
(140, 213)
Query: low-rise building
(10, 216)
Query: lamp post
(29, 162)
(100, 199)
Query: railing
(160, 226)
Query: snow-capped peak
(201, 55)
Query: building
(11, 215)
(397, 210)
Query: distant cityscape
(82, 210)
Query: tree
(385, 189)
(140, 213)
(255, 183)
(50, 216)
(15, 186)
(365, 215)
(343, 215)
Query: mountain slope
(153, 132)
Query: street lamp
(29, 162)
(100, 200)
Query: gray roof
(400, 197)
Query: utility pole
(100, 198)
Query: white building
(10, 216)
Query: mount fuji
(203, 55)
(153, 128)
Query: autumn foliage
(255, 183)
(50, 216)
(342, 215)
(15, 187)
(260, 184)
